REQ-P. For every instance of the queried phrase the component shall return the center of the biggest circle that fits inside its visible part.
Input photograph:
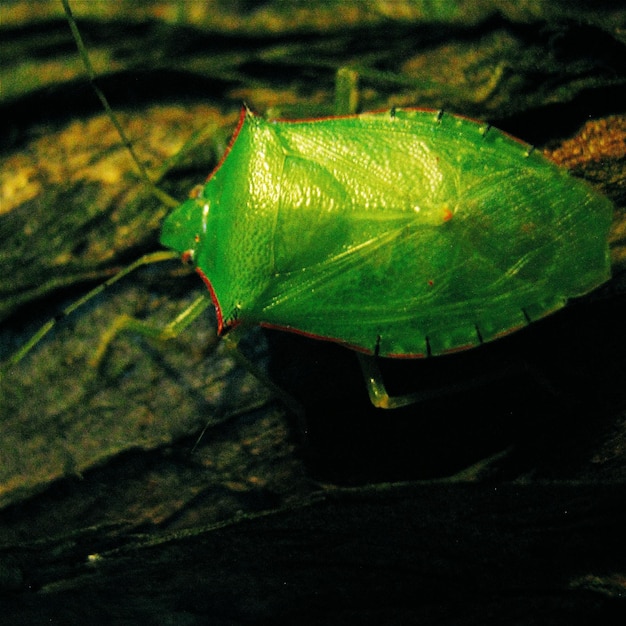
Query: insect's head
(184, 228)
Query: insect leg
(232, 342)
(127, 323)
(346, 91)
(381, 399)
(147, 259)
(377, 391)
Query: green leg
(346, 91)
(232, 342)
(378, 392)
(381, 399)
(146, 259)
(346, 100)
(126, 323)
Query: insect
(400, 234)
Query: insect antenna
(143, 173)
(163, 197)
(146, 259)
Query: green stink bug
(399, 234)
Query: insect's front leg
(127, 323)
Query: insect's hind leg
(377, 391)
(381, 399)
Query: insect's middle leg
(127, 323)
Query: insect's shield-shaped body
(402, 233)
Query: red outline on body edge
(216, 304)
(245, 111)
(309, 120)
(345, 344)
(218, 309)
